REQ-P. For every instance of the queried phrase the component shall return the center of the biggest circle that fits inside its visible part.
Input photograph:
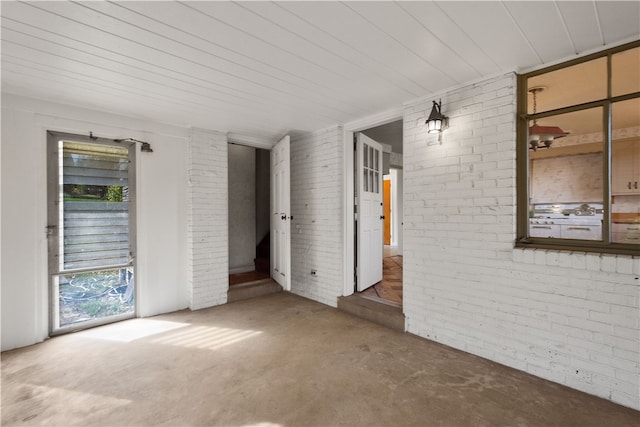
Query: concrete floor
(278, 360)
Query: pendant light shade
(436, 122)
(544, 135)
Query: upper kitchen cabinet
(625, 167)
(625, 147)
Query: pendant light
(542, 136)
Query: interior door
(369, 212)
(281, 213)
(91, 238)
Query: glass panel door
(91, 249)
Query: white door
(281, 214)
(369, 212)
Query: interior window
(579, 156)
(572, 85)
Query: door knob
(283, 217)
(381, 216)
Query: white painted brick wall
(208, 219)
(572, 318)
(317, 207)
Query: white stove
(582, 221)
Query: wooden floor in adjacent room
(250, 276)
(390, 288)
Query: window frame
(522, 161)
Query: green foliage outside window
(114, 193)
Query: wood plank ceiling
(261, 69)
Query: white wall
(161, 214)
(242, 208)
(317, 204)
(397, 211)
(569, 317)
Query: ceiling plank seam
(524, 36)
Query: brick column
(208, 219)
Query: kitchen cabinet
(544, 230)
(581, 232)
(625, 167)
(625, 233)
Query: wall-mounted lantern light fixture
(437, 122)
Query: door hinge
(50, 229)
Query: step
(375, 310)
(253, 289)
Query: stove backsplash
(575, 178)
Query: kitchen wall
(626, 204)
(161, 273)
(242, 208)
(570, 317)
(567, 179)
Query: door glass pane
(625, 172)
(375, 178)
(89, 296)
(625, 69)
(569, 86)
(377, 167)
(371, 187)
(566, 176)
(365, 180)
(96, 205)
(371, 165)
(365, 155)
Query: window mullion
(606, 172)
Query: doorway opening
(260, 217)
(91, 231)
(249, 214)
(388, 288)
